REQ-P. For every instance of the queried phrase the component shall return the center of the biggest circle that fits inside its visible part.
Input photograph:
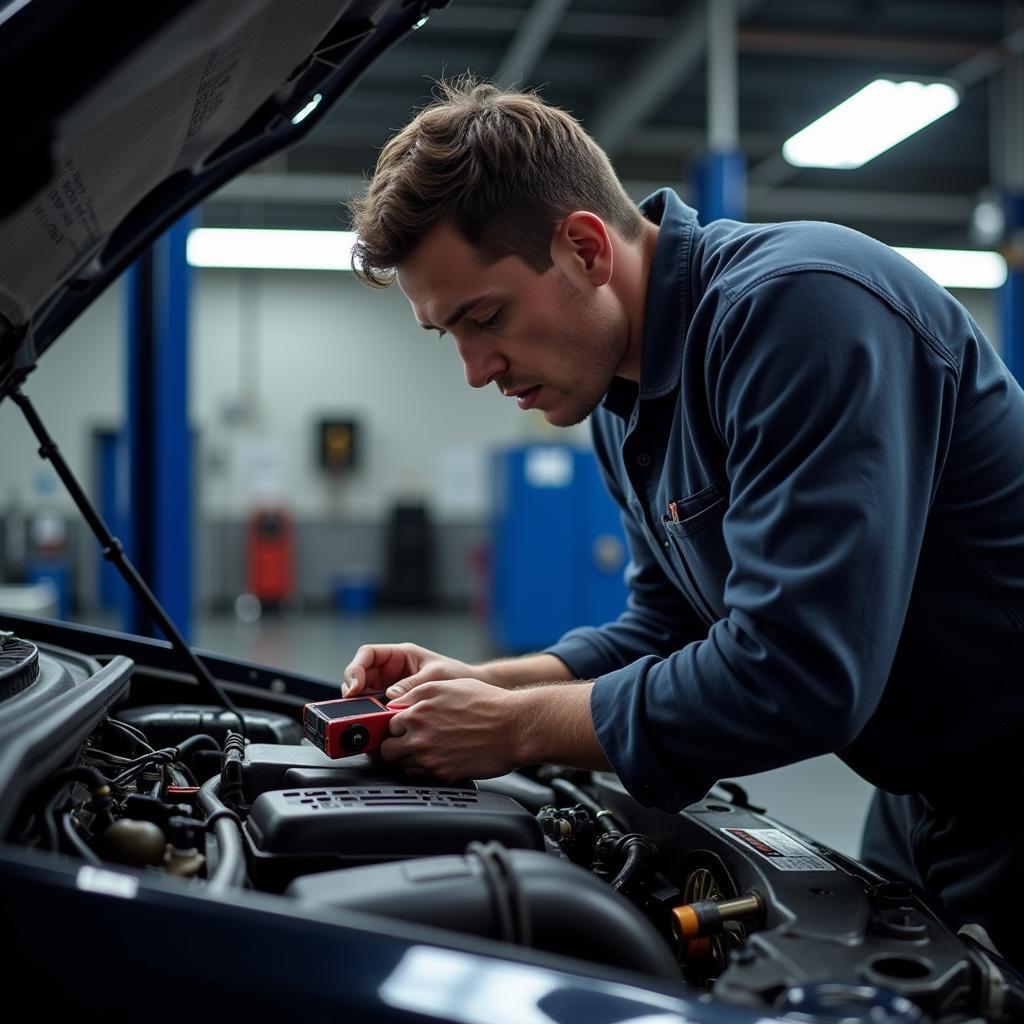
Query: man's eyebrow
(458, 314)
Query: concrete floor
(820, 797)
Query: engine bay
(113, 764)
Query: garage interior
(331, 480)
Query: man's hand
(397, 668)
(455, 729)
(468, 729)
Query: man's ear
(582, 246)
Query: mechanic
(819, 460)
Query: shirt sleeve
(657, 619)
(836, 413)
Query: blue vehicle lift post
(720, 175)
(157, 522)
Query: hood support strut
(113, 551)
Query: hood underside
(112, 136)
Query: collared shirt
(821, 476)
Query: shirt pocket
(696, 547)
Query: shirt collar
(667, 312)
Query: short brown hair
(505, 167)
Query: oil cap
(901, 923)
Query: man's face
(551, 341)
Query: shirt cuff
(620, 721)
(581, 653)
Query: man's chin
(569, 416)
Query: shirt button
(643, 460)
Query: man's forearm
(553, 724)
(512, 673)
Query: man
(820, 464)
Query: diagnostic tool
(349, 725)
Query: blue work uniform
(821, 477)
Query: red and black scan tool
(350, 725)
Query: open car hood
(109, 141)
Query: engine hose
(506, 891)
(229, 872)
(606, 821)
(636, 856)
(200, 739)
(102, 799)
(74, 839)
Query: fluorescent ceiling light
(269, 249)
(272, 249)
(870, 122)
(959, 268)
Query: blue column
(1011, 295)
(720, 186)
(720, 174)
(158, 496)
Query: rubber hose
(230, 870)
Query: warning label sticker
(780, 850)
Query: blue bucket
(355, 592)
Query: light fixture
(307, 109)
(959, 268)
(870, 122)
(270, 249)
(988, 220)
(276, 249)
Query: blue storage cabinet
(558, 551)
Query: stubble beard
(599, 346)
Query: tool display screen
(348, 708)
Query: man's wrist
(512, 673)
(524, 729)
(553, 723)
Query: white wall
(287, 349)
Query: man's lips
(525, 397)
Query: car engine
(117, 763)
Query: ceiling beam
(855, 46)
(765, 204)
(754, 39)
(662, 68)
(859, 205)
(530, 41)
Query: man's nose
(482, 363)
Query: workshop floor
(821, 797)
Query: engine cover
(826, 916)
(300, 831)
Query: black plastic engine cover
(301, 831)
(827, 917)
(268, 766)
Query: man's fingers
(395, 748)
(396, 751)
(381, 665)
(413, 690)
(381, 662)
(354, 681)
(404, 686)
